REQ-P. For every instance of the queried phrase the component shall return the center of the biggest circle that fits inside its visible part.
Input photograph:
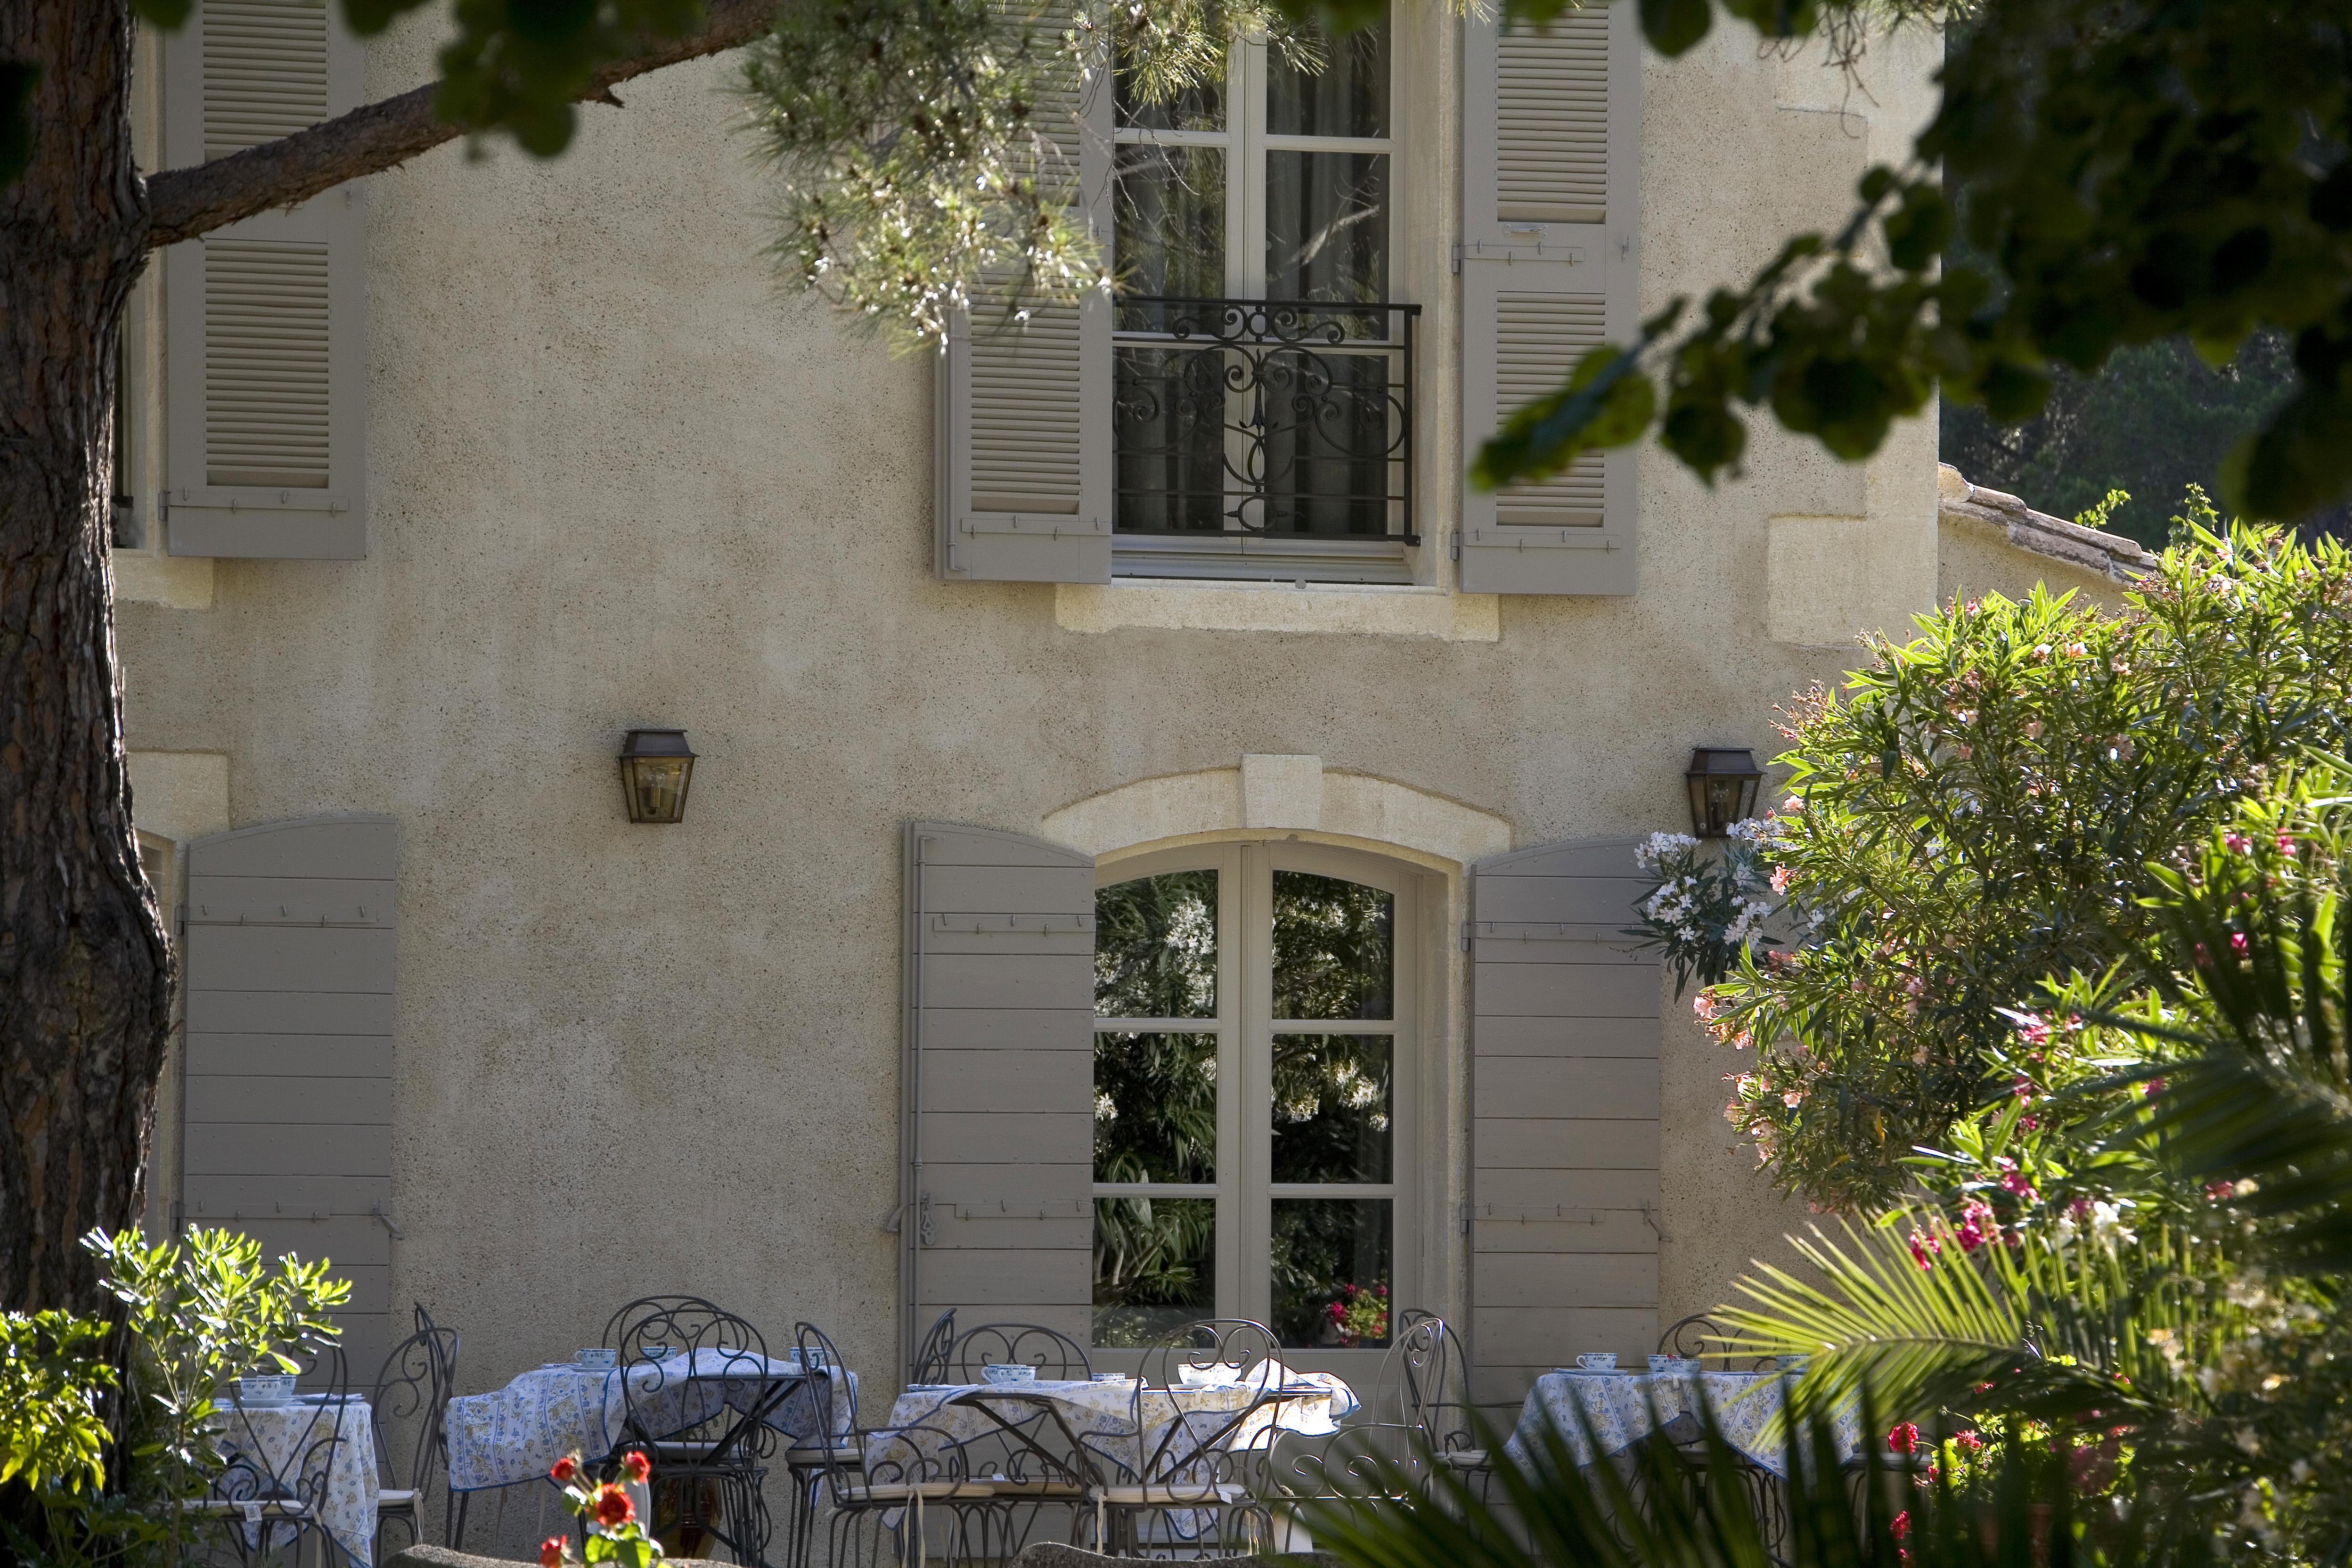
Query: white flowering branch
(1705, 912)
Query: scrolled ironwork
(1267, 417)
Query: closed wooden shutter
(1551, 166)
(1023, 404)
(288, 1133)
(264, 331)
(998, 1217)
(1564, 1133)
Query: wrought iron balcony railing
(1271, 420)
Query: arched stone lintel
(1280, 794)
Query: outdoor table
(518, 1433)
(1619, 1406)
(276, 1439)
(1100, 1418)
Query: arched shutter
(287, 1130)
(265, 327)
(1551, 167)
(1564, 1133)
(998, 1215)
(1024, 405)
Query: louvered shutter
(1023, 437)
(998, 1215)
(1551, 165)
(265, 329)
(287, 1106)
(1564, 1131)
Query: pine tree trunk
(86, 974)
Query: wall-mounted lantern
(1723, 781)
(656, 769)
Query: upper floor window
(1262, 375)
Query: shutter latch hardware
(384, 1219)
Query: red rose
(613, 1508)
(637, 1465)
(566, 1468)
(551, 1553)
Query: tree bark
(85, 973)
(86, 970)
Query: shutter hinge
(1467, 1206)
(384, 1219)
(1457, 256)
(1468, 930)
(1454, 544)
(1651, 1219)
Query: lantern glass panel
(655, 788)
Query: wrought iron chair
(280, 1459)
(896, 1481)
(1700, 1338)
(1055, 1355)
(1193, 1485)
(834, 1439)
(1431, 1376)
(930, 1363)
(698, 1389)
(415, 1385)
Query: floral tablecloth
(1619, 1406)
(1120, 1426)
(300, 1440)
(517, 1433)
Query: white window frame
(1245, 1028)
(1244, 141)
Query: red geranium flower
(637, 1465)
(613, 1508)
(551, 1553)
(566, 1468)
(1902, 1437)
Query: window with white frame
(1252, 1108)
(1263, 375)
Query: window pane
(1332, 1104)
(1167, 419)
(1155, 1267)
(1168, 213)
(1327, 227)
(1331, 1271)
(1330, 422)
(1159, 105)
(1156, 947)
(1155, 1107)
(1349, 96)
(1333, 948)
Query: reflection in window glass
(1155, 1267)
(1169, 216)
(1156, 947)
(1333, 948)
(1332, 1271)
(1198, 106)
(1347, 96)
(1327, 227)
(1155, 1107)
(1331, 1108)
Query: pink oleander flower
(1976, 1223)
(1924, 1250)
(2236, 843)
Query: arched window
(1254, 1115)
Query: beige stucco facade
(618, 480)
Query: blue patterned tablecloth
(336, 1436)
(1619, 1406)
(518, 1433)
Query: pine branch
(185, 203)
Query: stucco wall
(617, 481)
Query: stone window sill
(1368, 611)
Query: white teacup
(1673, 1365)
(1008, 1371)
(597, 1357)
(1598, 1360)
